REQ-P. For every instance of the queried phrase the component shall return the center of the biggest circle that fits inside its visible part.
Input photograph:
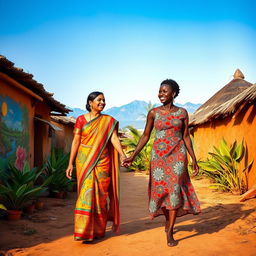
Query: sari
(97, 168)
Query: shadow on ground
(211, 220)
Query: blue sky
(126, 48)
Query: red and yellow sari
(97, 167)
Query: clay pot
(39, 205)
(29, 209)
(13, 215)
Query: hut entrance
(44, 131)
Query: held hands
(122, 158)
(69, 172)
(127, 162)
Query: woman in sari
(95, 147)
(170, 190)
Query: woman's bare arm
(117, 145)
(144, 138)
(73, 153)
(189, 146)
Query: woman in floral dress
(170, 190)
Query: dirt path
(225, 227)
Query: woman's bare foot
(170, 240)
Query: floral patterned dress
(170, 184)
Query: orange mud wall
(19, 127)
(63, 139)
(42, 134)
(240, 125)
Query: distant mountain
(76, 112)
(190, 107)
(132, 113)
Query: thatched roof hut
(225, 101)
(229, 114)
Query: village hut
(228, 114)
(63, 137)
(25, 110)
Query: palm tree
(148, 107)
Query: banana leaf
(240, 151)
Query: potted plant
(18, 188)
(15, 197)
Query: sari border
(87, 123)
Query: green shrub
(225, 169)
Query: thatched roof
(64, 119)
(225, 101)
(7, 67)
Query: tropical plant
(55, 167)
(225, 168)
(142, 160)
(24, 176)
(15, 197)
(18, 187)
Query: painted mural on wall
(14, 136)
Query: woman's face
(166, 94)
(98, 104)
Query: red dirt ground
(225, 227)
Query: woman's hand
(69, 172)
(128, 161)
(195, 168)
(122, 158)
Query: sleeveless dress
(170, 184)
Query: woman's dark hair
(91, 97)
(174, 86)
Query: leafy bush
(224, 167)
